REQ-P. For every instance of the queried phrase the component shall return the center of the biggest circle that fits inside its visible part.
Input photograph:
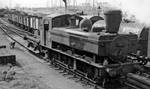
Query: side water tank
(113, 19)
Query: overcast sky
(34, 3)
(41, 3)
(140, 8)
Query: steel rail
(90, 81)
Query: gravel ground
(22, 79)
(45, 73)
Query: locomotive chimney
(113, 19)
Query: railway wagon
(34, 29)
(29, 22)
(26, 22)
(12, 18)
(32, 23)
(16, 18)
(3, 12)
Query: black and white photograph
(74, 44)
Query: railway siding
(21, 79)
(44, 73)
(55, 85)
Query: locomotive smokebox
(113, 19)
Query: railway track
(57, 64)
(23, 32)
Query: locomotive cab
(57, 24)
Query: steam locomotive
(141, 30)
(94, 46)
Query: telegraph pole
(10, 3)
(51, 3)
(93, 3)
(47, 3)
(60, 3)
(74, 3)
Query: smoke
(139, 8)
